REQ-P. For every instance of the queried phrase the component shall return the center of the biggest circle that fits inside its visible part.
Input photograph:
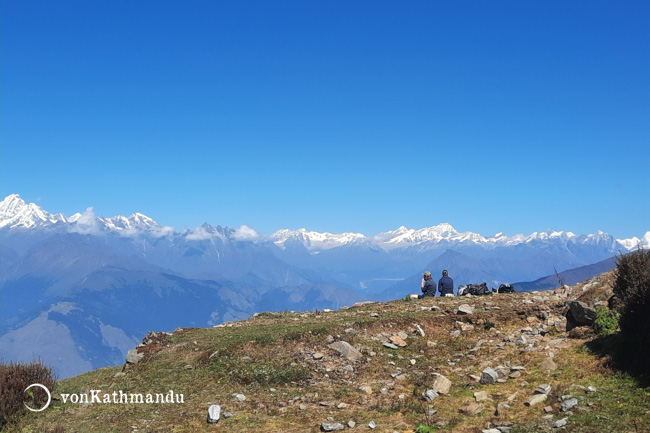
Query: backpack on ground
(506, 288)
(463, 290)
(478, 289)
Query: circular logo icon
(47, 391)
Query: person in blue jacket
(446, 285)
(427, 285)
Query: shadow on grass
(626, 354)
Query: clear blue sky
(512, 116)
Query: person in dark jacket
(446, 285)
(427, 285)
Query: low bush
(631, 300)
(632, 293)
(14, 380)
(606, 321)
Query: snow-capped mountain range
(16, 214)
(97, 285)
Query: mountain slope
(281, 372)
(570, 277)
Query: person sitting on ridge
(427, 285)
(446, 285)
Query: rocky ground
(499, 363)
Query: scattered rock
(351, 424)
(372, 425)
(366, 389)
(133, 357)
(512, 397)
(488, 376)
(391, 346)
(465, 309)
(429, 395)
(331, 426)
(318, 355)
(214, 413)
(471, 409)
(465, 327)
(240, 397)
(560, 423)
(548, 365)
(480, 396)
(535, 399)
(398, 341)
(441, 385)
(363, 303)
(119, 374)
(543, 389)
(591, 389)
(569, 404)
(346, 350)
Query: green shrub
(421, 428)
(606, 321)
(632, 293)
(14, 379)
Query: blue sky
(500, 116)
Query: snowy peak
(403, 237)
(636, 243)
(136, 221)
(550, 234)
(315, 240)
(15, 213)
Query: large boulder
(581, 314)
(346, 350)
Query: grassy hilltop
(294, 382)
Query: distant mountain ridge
(15, 214)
